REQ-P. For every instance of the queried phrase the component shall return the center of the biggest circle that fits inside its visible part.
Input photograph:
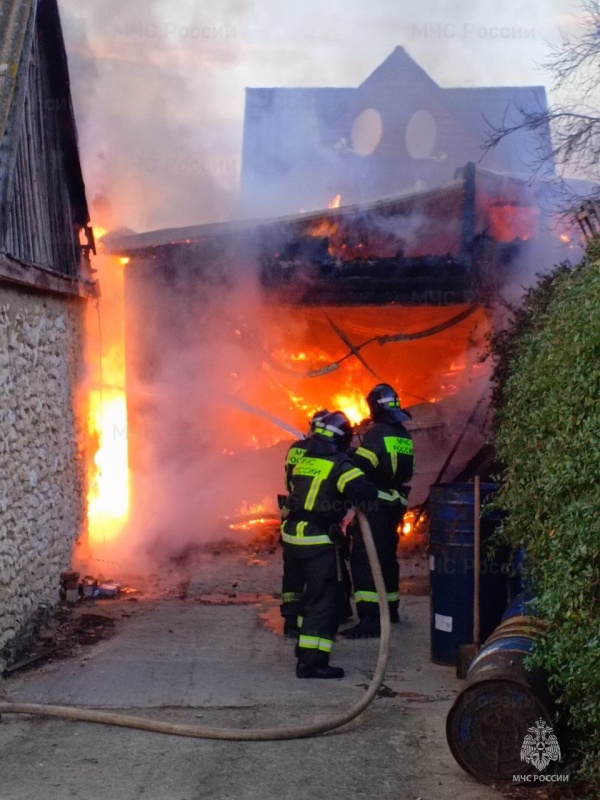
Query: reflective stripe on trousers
(371, 597)
(291, 597)
(315, 643)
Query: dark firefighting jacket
(294, 454)
(324, 484)
(386, 458)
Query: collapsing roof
(438, 247)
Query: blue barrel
(451, 561)
(522, 605)
(501, 701)
(519, 582)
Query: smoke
(194, 434)
(159, 97)
(213, 371)
(159, 86)
(156, 134)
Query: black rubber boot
(323, 672)
(366, 629)
(394, 616)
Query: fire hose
(233, 734)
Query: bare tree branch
(577, 58)
(574, 141)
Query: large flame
(288, 362)
(108, 491)
(294, 363)
(108, 470)
(353, 404)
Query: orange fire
(98, 234)
(412, 533)
(294, 364)
(350, 400)
(346, 242)
(108, 491)
(407, 528)
(323, 228)
(335, 202)
(307, 366)
(510, 222)
(108, 472)
(353, 404)
(255, 515)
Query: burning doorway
(237, 333)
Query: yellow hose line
(233, 734)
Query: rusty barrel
(451, 561)
(487, 725)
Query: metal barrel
(520, 582)
(517, 626)
(523, 605)
(451, 561)
(487, 726)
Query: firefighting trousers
(384, 524)
(344, 590)
(319, 624)
(292, 587)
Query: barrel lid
(487, 725)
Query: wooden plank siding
(40, 226)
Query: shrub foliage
(547, 430)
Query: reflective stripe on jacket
(324, 484)
(386, 456)
(303, 534)
(294, 454)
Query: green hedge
(547, 415)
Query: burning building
(237, 332)
(45, 285)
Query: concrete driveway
(212, 654)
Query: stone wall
(42, 466)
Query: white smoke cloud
(159, 86)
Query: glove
(282, 502)
(392, 498)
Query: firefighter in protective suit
(292, 581)
(386, 458)
(324, 484)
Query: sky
(158, 85)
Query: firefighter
(292, 583)
(386, 457)
(324, 484)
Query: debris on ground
(63, 635)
